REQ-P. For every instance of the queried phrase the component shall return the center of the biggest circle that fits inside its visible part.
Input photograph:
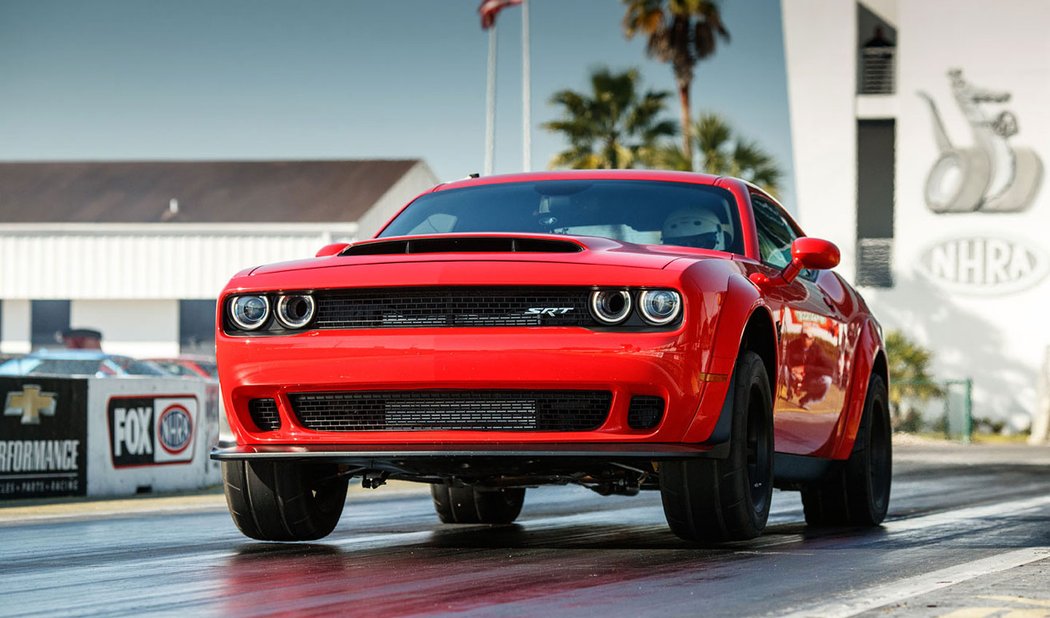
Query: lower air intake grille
(452, 410)
(645, 412)
(264, 414)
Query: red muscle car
(619, 330)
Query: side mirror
(332, 249)
(813, 253)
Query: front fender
(736, 306)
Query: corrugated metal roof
(206, 191)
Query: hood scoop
(463, 244)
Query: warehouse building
(140, 250)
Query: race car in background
(619, 330)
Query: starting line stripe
(866, 599)
(870, 598)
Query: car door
(810, 387)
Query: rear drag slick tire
(857, 491)
(470, 505)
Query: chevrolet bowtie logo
(30, 404)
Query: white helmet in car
(696, 227)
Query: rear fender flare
(868, 347)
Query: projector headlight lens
(610, 306)
(295, 310)
(660, 307)
(249, 312)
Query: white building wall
(820, 43)
(138, 328)
(980, 325)
(126, 280)
(15, 336)
(146, 261)
(980, 309)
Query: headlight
(660, 307)
(249, 312)
(610, 306)
(295, 311)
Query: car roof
(657, 175)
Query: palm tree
(612, 126)
(722, 153)
(910, 379)
(681, 32)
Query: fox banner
(43, 437)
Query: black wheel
(717, 500)
(857, 492)
(272, 501)
(471, 505)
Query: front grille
(452, 410)
(645, 411)
(264, 414)
(453, 306)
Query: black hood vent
(463, 244)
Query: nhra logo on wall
(145, 431)
(992, 175)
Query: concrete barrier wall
(105, 436)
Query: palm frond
(612, 126)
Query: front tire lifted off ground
(279, 501)
(718, 500)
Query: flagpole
(526, 93)
(490, 103)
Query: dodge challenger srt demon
(619, 330)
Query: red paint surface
(825, 353)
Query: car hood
(541, 248)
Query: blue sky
(268, 79)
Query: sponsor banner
(152, 430)
(43, 437)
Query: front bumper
(665, 364)
(369, 455)
(520, 463)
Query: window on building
(875, 190)
(48, 319)
(197, 326)
(878, 53)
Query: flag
(490, 8)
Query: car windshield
(636, 211)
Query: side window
(774, 233)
